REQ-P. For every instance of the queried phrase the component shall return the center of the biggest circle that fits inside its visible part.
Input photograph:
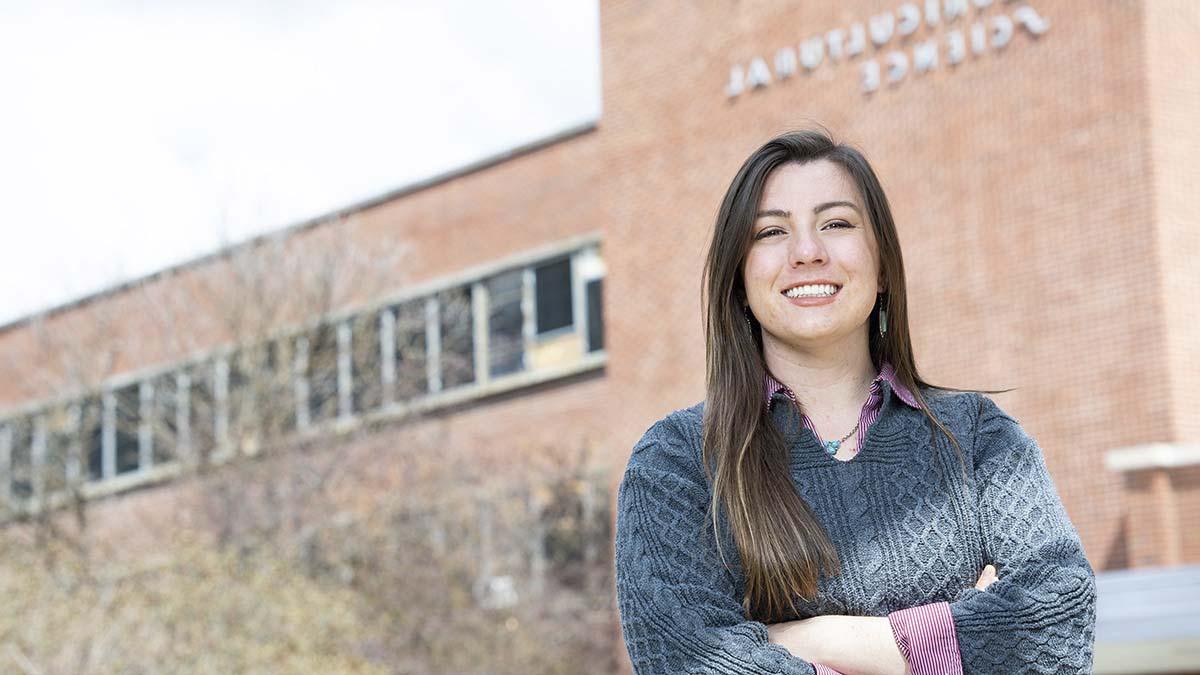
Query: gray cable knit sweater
(907, 527)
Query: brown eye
(839, 223)
(766, 232)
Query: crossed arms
(681, 611)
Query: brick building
(1037, 157)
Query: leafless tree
(284, 547)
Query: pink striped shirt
(924, 634)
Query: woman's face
(811, 228)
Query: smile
(812, 291)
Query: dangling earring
(882, 316)
(746, 312)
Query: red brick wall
(1040, 193)
(1185, 484)
(1174, 107)
(1013, 179)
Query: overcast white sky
(138, 134)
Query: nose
(806, 249)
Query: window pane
(274, 390)
(595, 314)
(244, 365)
(91, 432)
(553, 288)
(164, 434)
(322, 374)
(60, 432)
(505, 320)
(21, 458)
(127, 402)
(365, 373)
(202, 411)
(458, 354)
(411, 377)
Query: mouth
(812, 291)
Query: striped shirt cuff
(824, 670)
(926, 638)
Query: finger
(987, 578)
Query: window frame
(213, 366)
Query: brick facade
(1042, 191)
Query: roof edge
(487, 162)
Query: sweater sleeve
(1039, 616)
(680, 608)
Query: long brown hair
(784, 549)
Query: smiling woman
(826, 509)
(798, 221)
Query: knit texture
(909, 529)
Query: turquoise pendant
(832, 446)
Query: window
(275, 390)
(91, 433)
(366, 375)
(541, 315)
(553, 291)
(202, 411)
(164, 419)
(21, 458)
(457, 331)
(506, 339)
(57, 468)
(322, 374)
(558, 342)
(595, 315)
(412, 378)
(241, 397)
(127, 402)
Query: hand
(987, 578)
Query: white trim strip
(1153, 456)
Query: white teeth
(812, 291)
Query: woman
(826, 509)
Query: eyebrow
(780, 213)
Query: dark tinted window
(128, 405)
(241, 399)
(505, 322)
(595, 314)
(21, 458)
(91, 432)
(553, 288)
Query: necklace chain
(832, 446)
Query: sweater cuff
(926, 638)
(824, 670)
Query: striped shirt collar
(886, 374)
